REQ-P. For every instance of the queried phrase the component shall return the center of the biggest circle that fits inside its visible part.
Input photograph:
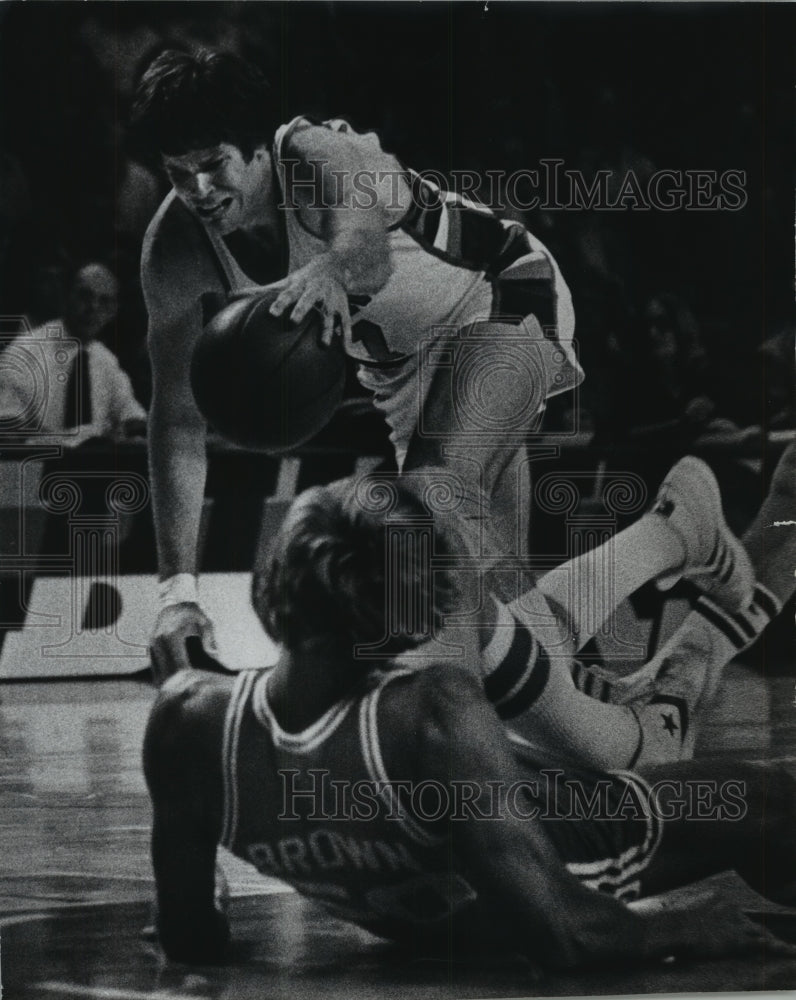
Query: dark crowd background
(684, 318)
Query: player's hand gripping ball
(265, 382)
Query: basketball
(262, 381)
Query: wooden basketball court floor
(76, 884)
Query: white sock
(590, 587)
(532, 691)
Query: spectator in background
(663, 395)
(668, 393)
(84, 393)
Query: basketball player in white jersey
(388, 790)
(389, 259)
(461, 323)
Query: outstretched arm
(510, 861)
(177, 455)
(176, 429)
(182, 770)
(548, 913)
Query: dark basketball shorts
(601, 824)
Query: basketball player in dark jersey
(369, 770)
(407, 273)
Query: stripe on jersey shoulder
(374, 764)
(442, 237)
(241, 692)
(455, 230)
(531, 265)
(518, 261)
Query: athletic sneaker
(716, 562)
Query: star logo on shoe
(669, 724)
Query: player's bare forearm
(554, 918)
(177, 433)
(548, 913)
(590, 929)
(178, 470)
(190, 927)
(545, 911)
(182, 773)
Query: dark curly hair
(187, 101)
(341, 574)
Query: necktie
(78, 392)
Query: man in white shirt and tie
(58, 380)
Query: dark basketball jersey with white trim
(319, 810)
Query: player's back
(319, 810)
